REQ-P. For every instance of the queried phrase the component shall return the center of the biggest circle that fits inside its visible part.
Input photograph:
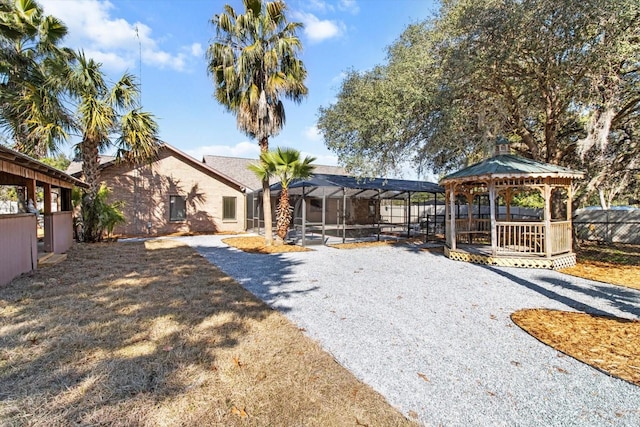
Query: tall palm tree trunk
(266, 199)
(90, 164)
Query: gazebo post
(492, 214)
(470, 215)
(547, 218)
(451, 216)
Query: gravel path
(434, 335)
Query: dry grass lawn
(151, 334)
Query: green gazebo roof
(508, 165)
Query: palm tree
(104, 111)
(254, 65)
(32, 111)
(286, 165)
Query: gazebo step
(51, 259)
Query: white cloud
(322, 159)
(318, 30)
(196, 49)
(349, 5)
(245, 149)
(114, 42)
(319, 5)
(312, 134)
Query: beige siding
(146, 190)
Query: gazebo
(496, 236)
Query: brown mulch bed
(150, 333)
(609, 344)
(256, 244)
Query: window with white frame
(228, 208)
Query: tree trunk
(90, 215)
(266, 199)
(283, 218)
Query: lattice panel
(511, 261)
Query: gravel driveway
(434, 335)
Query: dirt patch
(256, 244)
(150, 333)
(607, 343)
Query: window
(228, 208)
(177, 208)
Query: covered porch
(496, 236)
(19, 249)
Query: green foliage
(32, 65)
(106, 215)
(286, 165)
(104, 111)
(253, 62)
(559, 79)
(60, 161)
(528, 199)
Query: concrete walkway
(434, 336)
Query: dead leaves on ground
(609, 344)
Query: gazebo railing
(474, 230)
(561, 237)
(521, 237)
(525, 237)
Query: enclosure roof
(363, 187)
(30, 168)
(508, 165)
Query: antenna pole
(139, 66)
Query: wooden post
(547, 218)
(470, 215)
(452, 216)
(31, 192)
(492, 213)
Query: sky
(163, 43)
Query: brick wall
(145, 191)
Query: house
(19, 249)
(174, 194)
